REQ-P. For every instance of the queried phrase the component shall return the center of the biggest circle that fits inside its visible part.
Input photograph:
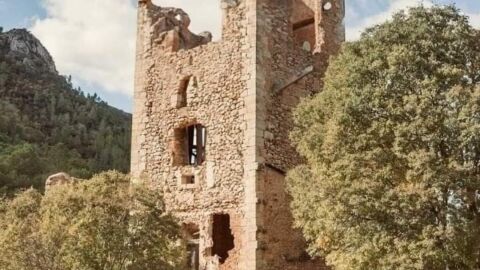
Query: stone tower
(212, 119)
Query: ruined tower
(212, 119)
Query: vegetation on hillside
(47, 125)
(102, 223)
(392, 178)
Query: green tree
(21, 166)
(392, 147)
(102, 223)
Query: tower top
(170, 27)
(316, 22)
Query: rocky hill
(47, 125)
(27, 49)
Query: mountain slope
(46, 125)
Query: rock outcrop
(28, 50)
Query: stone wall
(167, 54)
(292, 71)
(242, 89)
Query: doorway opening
(223, 239)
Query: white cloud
(93, 40)
(354, 33)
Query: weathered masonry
(212, 119)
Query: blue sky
(18, 13)
(94, 40)
(358, 9)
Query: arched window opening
(183, 92)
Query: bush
(102, 223)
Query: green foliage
(392, 148)
(54, 126)
(102, 223)
(20, 166)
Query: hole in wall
(327, 6)
(223, 240)
(188, 179)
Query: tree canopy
(392, 148)
(102, 223)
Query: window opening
(188, 179)
(189, 145)
(223, 239)
(196, 144)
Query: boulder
(58, 179)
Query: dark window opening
(189, 145)
(196, 144)
(223, 240)
(193, 246)
(188, 180)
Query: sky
(94, 40)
